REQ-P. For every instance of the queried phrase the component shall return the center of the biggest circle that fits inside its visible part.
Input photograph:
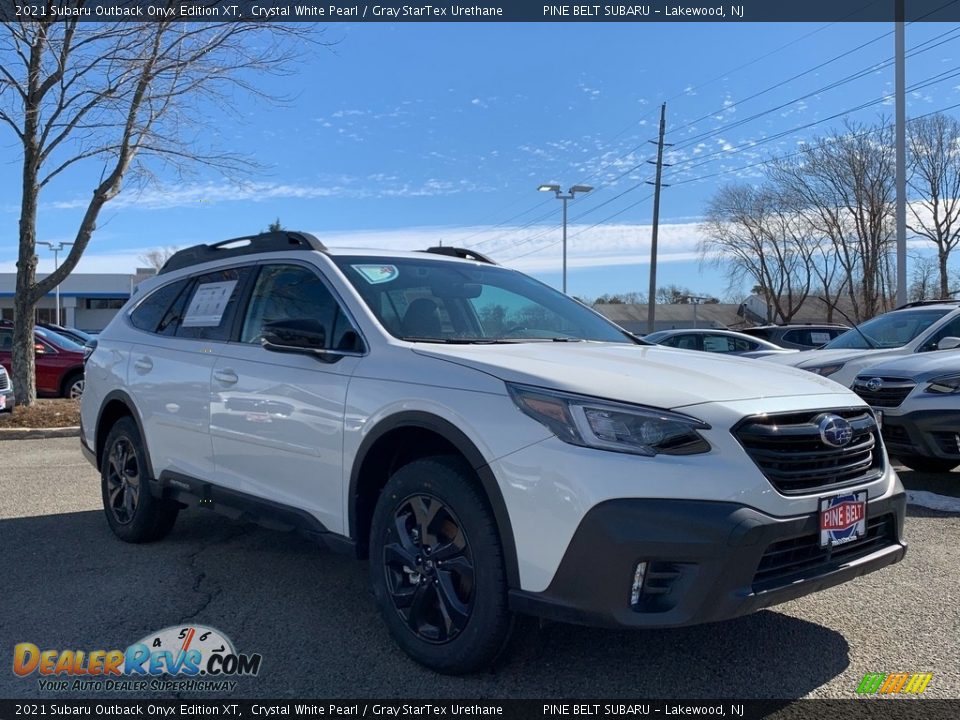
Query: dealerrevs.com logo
(176, 658)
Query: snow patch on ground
(933, 501)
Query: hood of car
(645, 375)
(813, 358)
(919, 366)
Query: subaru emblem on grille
(874, 384)
(834, 430)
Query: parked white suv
(492, 445)
(919, 399)
(917, 327)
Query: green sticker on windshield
(376, 274)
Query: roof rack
(247, 245)
(921, 303)
(462, 253)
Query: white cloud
(602, 246)
(197, 194)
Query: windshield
(440, 301)
(887, 331)
(61, 341)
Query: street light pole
(56, 247)
(554, 188)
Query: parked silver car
(917, 399)
(711, 340)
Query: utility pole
(651, 299)
(901, 142)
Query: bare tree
(844, 182)
(157, 257)
(672, 295)
(923, 279)
(934, 167)
(121, 100)
(758, 237)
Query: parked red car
(59, 361)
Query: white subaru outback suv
(917, 327)
(491, 445)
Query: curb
(38, 433)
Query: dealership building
(88, 301)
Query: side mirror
(948, 343)
(39, 349)
(295, 336)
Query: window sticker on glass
(376, 274)
(208, 304)
(820, 338)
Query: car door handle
(227, 377)
(143, 364)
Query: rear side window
(682, 342)
(810, 337)
(148, 314)
(212, 306)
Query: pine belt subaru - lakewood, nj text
(491, 445)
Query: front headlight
(826, 370)
(944, 385)
(606, 425)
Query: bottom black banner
(887, 708)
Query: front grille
(802, 558)
(4, 380)
(788, 449)
(890, 393)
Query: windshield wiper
(486, 341)
(450, 341)
(870, 343)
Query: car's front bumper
(928, 433)
(706, 561)
(9, 400)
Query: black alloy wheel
(123, 481)
(437, 566)
(429, 571)
(133, 513)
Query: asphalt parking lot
(68, 583)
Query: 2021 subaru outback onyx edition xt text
(491, 445)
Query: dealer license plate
(3, 402)
(879, 416)
(843, 518)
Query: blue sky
(403, 135)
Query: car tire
(437, 567)
(133, 513)
(927, 464)
(73, 386)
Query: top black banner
(338, 11)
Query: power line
(580, 232)
(777, 158)
(818, 67)
(682, 182)
(830, 86)
(726, 108)
(711, 157)
(686, 91)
